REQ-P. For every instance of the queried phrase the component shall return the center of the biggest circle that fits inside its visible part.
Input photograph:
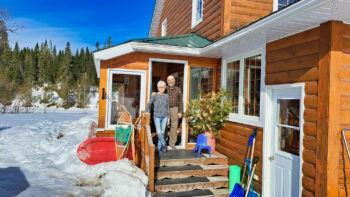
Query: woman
(160, 114)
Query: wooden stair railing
(145, 149)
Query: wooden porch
(180, 172)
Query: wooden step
(203, 193)
(190, 183)
(186, 157)
(191, 170)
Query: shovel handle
(255, 161)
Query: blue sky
(81, 22)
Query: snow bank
(51, 167)
(37, 94)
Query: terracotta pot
(211, 140)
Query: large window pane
(126, 91)
(201, 78)
(289, 140)
(232, 84)
(251, 91)
(289, 112)
(288, 125)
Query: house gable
(220, 17)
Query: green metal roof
(188, 40)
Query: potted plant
(208, 115)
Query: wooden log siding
(344, 77)
(234, 144)
(244, 12)
(292, 60)
(179, 15)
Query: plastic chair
(202, 144)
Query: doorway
(283, 140)
(160, 69)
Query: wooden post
(225, 17)
(142, 138)
(151, 169)
(328, 130)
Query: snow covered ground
(34, 162)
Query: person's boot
(173, 147)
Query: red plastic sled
(98, 150)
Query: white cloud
(34, 31)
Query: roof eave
(131, 47)
(157, 13)
(265, 23)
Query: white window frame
(164, 27)
(110, 72)
(240, 117)
(195, 22)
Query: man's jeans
(160, 123)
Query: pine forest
(71, 74)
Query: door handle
(271, 158)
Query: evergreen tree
(109, 42)
(29, 68)
(97, 46)
(66, 76)
(83, 91)
(5, 51)
(43, 64)
(16, 69)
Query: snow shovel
(238, 190)
(248, 193)
(251, 142)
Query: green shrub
(208, 113)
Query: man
(176, 109)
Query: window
(164, 26)
(251, 94)
(232, 86)
(282, 3)
(197, 12)
(201, 79)
(243, 79)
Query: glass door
(128, 89)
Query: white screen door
(128, 88)
(286, 132)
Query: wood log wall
(292, 60)
(179, 15)
(220, 17)
(244, 12)
(234, 144)
(344, 164)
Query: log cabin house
(285, 64)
